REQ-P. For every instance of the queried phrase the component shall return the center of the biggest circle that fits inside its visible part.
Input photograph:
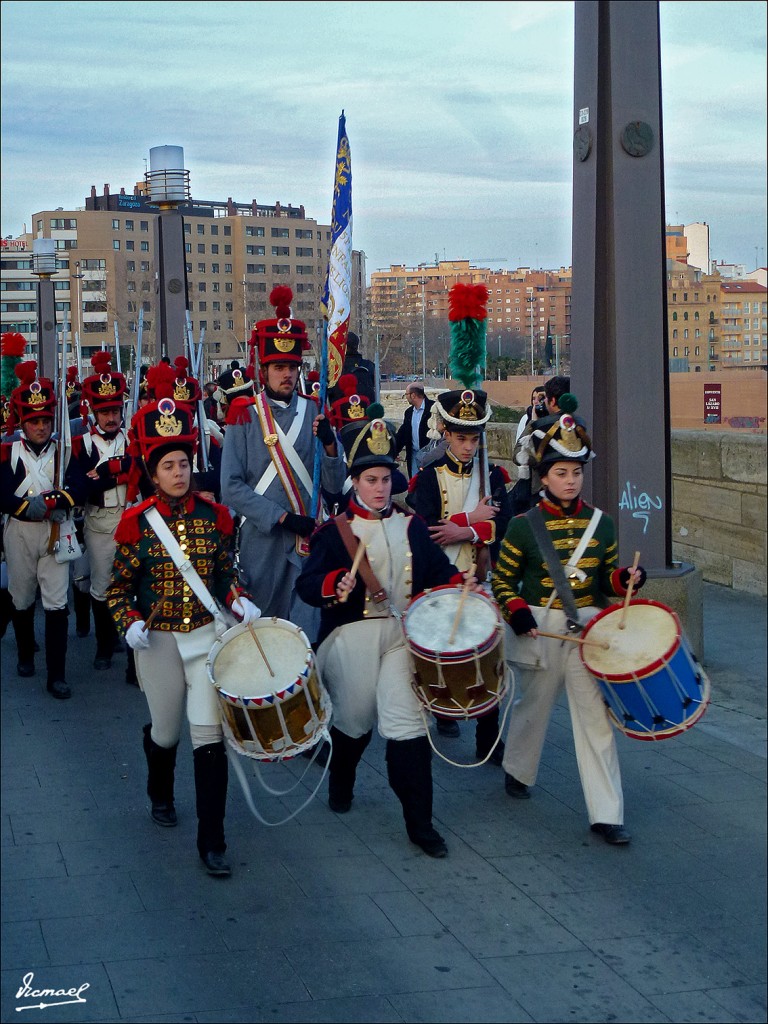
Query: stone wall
(718, 500)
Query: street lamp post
(44, 267)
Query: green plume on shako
(468, 316)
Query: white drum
(273, 703)
(459, 674)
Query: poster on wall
(713, 403)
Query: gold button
(183, 547)
(185, 620)
(182, 527)
(186, 598)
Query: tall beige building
(235, 254)
(409, 313)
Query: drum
(463, 677)
(273, 703)
(652, 683)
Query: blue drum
(650, 680)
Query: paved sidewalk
(339, 918)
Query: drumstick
(252, 631)
(459, 610)
(623, 618)
(353, 571)
(152, 616)
(575, 639)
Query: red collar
(558, 510)
(353, 509)
(168, 510)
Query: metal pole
(423, 332)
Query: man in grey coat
(267, 469)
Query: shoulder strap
(375, 589)
(555, 566)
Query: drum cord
(502, 727)
(244, 784)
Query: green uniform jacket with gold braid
(521, 577)
(143, 572)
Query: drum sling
(375, 589)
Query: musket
(133, 401)
(203, 461)
(118, 368)
(79, 354)
(64, 428)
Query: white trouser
(172, 670)
(100, 526)
(26, 553)
(593, 735)
(367, 670)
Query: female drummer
(361, 650)
(167, 612)
(524, 587)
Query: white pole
(423, 332)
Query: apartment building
(744, 314)
(693, 315)
(235, 254)
(409, 312)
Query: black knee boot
(342, 771)
(81, 600)
(6, 610)
(106, 635)
(161, 766)
(409, 767)
(130, 668)
(486, 733)
(56, 653)
(211, 776)
(24, 629)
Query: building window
(227, 250)
(187, 247)
(129, 245)
(201, 248)
(202, 306)
(215, 250)
(228, 286)
(201, 286)
(115, 243)
(145, 246)
(255, 250)
(129, 225)
(227, 230)
(280, 250)
(130, 266)
(144, 225)
(227, 268)
(201, 229)
(187, 229)
(674, 316)
(280, 232)
(214, 229)
(115, 225)
(201, 268)
(215, 286)
(214, 268)
(145, 264)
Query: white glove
(245, 610)
(137, 637)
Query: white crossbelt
(40, 470)
(571, 566)
(287, 442)
(180, 560)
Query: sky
(459, 116)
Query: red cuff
(457, 579)
(515, 604)
(616, 583)
(486, 531)
(460, 519)
(328, 589)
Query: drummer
(530, 600)
(361, 650)
(171, 568)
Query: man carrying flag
(266, 468)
